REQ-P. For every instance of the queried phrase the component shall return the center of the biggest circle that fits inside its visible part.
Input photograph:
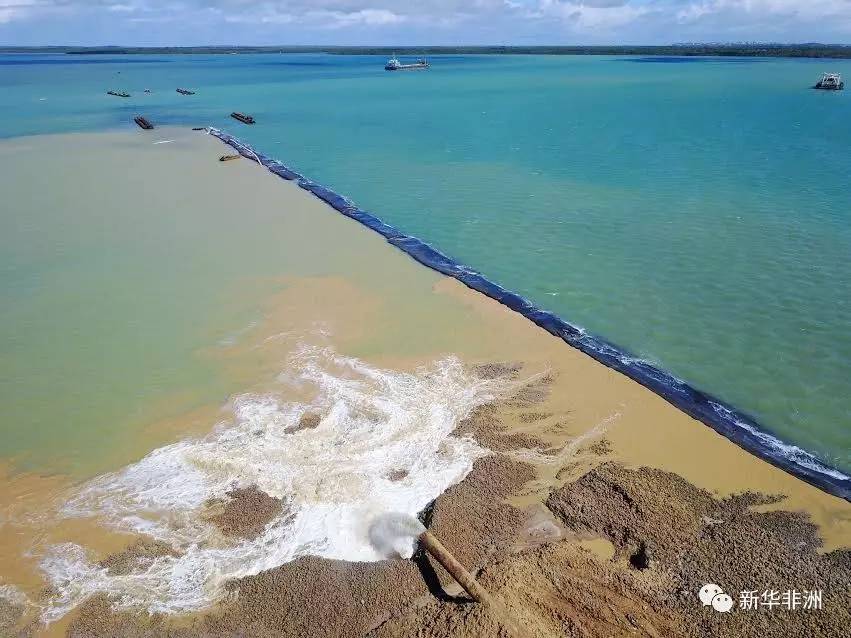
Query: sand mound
(246, 513)
(137, 556)
(533, 393)
(669, 539)
(679, 538)
(325, 598)
(556, 590)
(308, 421)
(471, 518)
(486, 425)
(497, 370)
(10, 615)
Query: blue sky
(417, 22)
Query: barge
(143, 122)
(118, 93)
(830, 82)
(185, 92)
(393, 64)
(242, 117)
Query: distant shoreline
(812, 50)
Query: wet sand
(540, 517)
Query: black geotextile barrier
(735, 425)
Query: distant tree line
(732, 50)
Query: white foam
(395, 534)
(787, 450)
(334, 479)
(14, 596)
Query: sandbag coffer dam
(738, 427)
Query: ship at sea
(393, 64)
(830, 82)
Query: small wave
(790, 452)
(334, 479)
(233, 339)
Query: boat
(185, 92)
(393, 64)
(118, 93)
(830, 82)
(143, 123)
(242, 117)
(228, 158)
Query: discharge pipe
(464, 578)
(396, 534)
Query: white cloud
(815, 18)
(14, 9)
(591, 14)
(370, 17)
(494, 21)
(806, 10)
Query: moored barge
(143, 122)
(242, 117)
(118, 93)
(185, 92)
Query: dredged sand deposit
(555, 420)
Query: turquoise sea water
(695, 212)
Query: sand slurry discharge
(668, 537)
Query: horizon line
(753, 43)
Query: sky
(420, 22)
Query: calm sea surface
(695, 212)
